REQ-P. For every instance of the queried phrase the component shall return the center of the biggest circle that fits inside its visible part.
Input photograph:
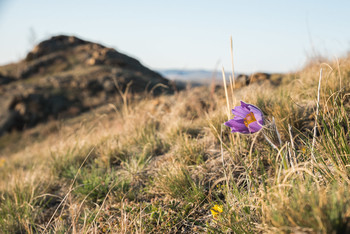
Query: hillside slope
(168, 164)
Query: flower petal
(241, 129)
(237, 125)
(257, 113)
(232, 123)
(254, 127)
(244, 105)
(240, 111)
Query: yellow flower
(303, 149)
(216, 210)
(2, 162)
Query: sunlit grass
(161, 164)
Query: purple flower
(247, 119)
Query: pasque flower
(247, 119)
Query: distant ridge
(205, 77)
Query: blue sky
(272, 36)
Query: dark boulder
(5, 80)
(29, 110)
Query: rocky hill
(64, 76)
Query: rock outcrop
(64, 76)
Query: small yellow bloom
(303, 149)
(216, 210)
(2, 162)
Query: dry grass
(160, 164)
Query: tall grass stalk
(316, 116)
(233, 83)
